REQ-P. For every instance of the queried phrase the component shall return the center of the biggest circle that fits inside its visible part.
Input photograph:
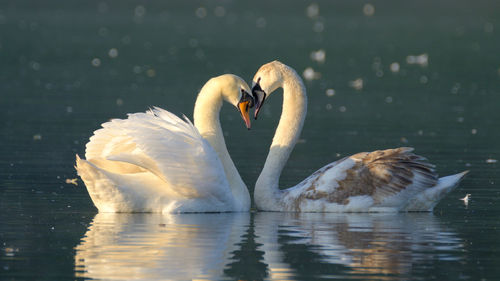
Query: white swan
(157, 162)
(381, 181)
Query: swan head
(237, 92)
(244, 104)
(268, 78)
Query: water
(424, 74)
(284, 246)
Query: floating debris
(378, 67)
(422, 60)
(312, 11)
(356, 84)
(342, 109)
(328, 106)
(72, 181)
(466, 199)
(137, 69)
(35, 65)
(309, 74)
(96, 62)
(473, 131)
(119, 102)
(403, 140)
(219, 11)
(10, 252)
(151, 73)
(377, 63)
(37, 137)
(69, 109)
(388, 99)
(201, 12)
(330, 92)
(491, 161)
(318, 56)
(113, 53)
(460, 119)
(394, 67)
(423, 79)
(139, 11)
(368, 9)
(455, 88)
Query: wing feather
(394, 170)
(381, 174)
(169, 147)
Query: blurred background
(379, 74)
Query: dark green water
(68, 66)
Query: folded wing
(168, 147)
(389, 177)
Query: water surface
(421, 74)
(281, 246)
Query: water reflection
(152, 246)
(278, 246)
(382, 246)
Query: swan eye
(245, 96)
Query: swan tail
(99, 186)
(428, 199)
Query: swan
(392, 180)
(158, 162)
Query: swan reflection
(363, 245)
(153, 246)
(256, 246)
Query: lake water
(380, 74)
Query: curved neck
(294, 110)
(206, 120)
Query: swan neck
(286, 136)
(206, 120)
(206, 115)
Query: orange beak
(243, 108)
